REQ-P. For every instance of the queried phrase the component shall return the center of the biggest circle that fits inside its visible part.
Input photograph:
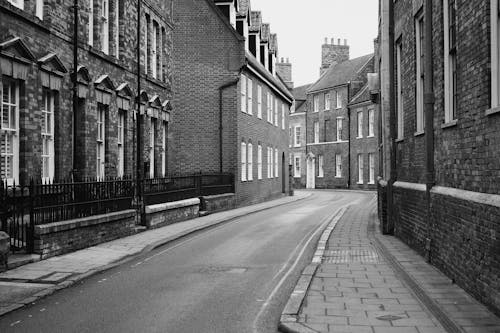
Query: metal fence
(23, 207)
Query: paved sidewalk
(372, 283)
(27, 283)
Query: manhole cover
(389, 318)
(365, 256)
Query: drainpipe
(138, 116)
(391, 216)
(429, 120)
(348, 136)
(221, 91)
(75, 82)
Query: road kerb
(131, 256)
(289, 317)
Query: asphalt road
(233, 278)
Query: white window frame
(316, 103)
(276, 112)
(359, 116)
(121, 143)
(101, 141)
(105, 26)
(10, 131)
(420, 117)
(154, 46)
(152, 140)
(399, 91)
(338, 99)
(48, 160)
(371, 165)
(340, 126)
(243, 162)
(259, 162)
(321, 161)
(450, 69)
(243, 92)
(259, 101)
(250, 161)
(360, 169)
(495, 53)
(268, 162)
(283, 116)
(17, 3)
(371, 123)
(164, 134)
(297, 168)
(338, 166)
(296, 136)
(117, 28)
(327, 101)
(39, 9)
(250, 96)
(276, 163)
(316, 131)
(268, 106)
(91, 23)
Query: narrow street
(233, 278)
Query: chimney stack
(333, 54)
(284, 70)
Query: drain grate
(365, 256)
(389, 318)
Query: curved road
(235, 277)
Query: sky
(302, 26)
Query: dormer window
(228, 8)
(264, 50)
(17, 3)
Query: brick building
(231, 109)
(341, 149)
(297, 134)
(439, 190)
(41, 135)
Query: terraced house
(54, 127)
(440, 81)
(231, 106)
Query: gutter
(221, 91)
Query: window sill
(449, 124)
(400, 140)
(492, 111)
(419, 133)
(370, 136)
(360, 183)
(338, 177)
(371, 183)
(359, 137)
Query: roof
(255, 21)
(254, 63)
(299, 93)
(266, 31)
(362, 96)
(244, 7)
(340, 74)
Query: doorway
(311, 171)
(283, 174)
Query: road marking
(322, 226)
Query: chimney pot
(332, 41)
(338, 41)
(326, 40)
(287, 60)
(281, 59)
(345, 42)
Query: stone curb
(289, 321)
(129, 257)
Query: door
(283, 174)
(311, 176)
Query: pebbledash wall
(213, 66)
(37, 58)
(462, 236)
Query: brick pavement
(25, 284)
(368, 282)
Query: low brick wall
(67, 236)
(171, 212)
(217, 203)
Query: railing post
(31, 228)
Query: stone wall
(216, 203)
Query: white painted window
(259, 102)
(250, 96)
(316, 103)
(146, 45)
(338, 99)
(339, 128)
(276, 163)
(117, 28)
(360, 169)
(121, 143)
(243, 162)
(327, 101)
(91, 23)
(152, 140)
(297, 136)
(297, 166)
(269, 162)
(420, 47)
(250, 161)
(321, 173)
(17, 3)
(47, 135)
(450, 59)
(9, 134)
(290, 136)
(338, 166)
(243, 93)
(276, 112)
(164, 134)
(283, 116)
(371, 123)
(154, 55)
(39, 9)
(399, 91)
(371, 164)
(360, 124)
(495, 53)
(316, 132)
(268, 106)
(271, 165)
(105, 26)
(101, 139)
(259, 162)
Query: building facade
(439, 190)
(232, 110)
(297, 136)
(43, 136)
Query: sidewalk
(27, 283)
(368, 282)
